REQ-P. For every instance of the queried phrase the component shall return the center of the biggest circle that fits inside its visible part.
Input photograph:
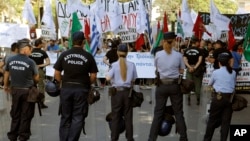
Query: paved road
(46, 127)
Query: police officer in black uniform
(79, 72)
(42, 60)
(122, 75)
(169, 73)
(24, 74)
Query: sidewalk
(46, 127)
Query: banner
(239, 22)
(142, 61)
(107, 18)
(10, 33)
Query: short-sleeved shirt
(76, 64)
(114, 74)
(53, 48)
(192, 54)
(216, 54)
(168, 65)
(38, 55)
(222, 81)
(112, 55)
(21, 69)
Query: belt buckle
(219, 96)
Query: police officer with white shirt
(170, 65)
(223, 81)
(122, 74)
(80, 71)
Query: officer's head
(14, 47)
(39, 42)
(122, 50)
(168, 41)
(223, 58)
(24, 46)
(78, 38)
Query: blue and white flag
(149, 31)
(28, 13)
(95, 36)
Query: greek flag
(149, 31)
(95, 37)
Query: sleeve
(35, 68)
(182, 64)
(211, 80)
(7, 65)
(93, 66)
(58, 64)
(45, 55)
(111, 72)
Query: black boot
(189, 100)
(43, 106)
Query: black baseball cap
(169, 35)
(78, 35)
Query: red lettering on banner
(129, 20)
(105, 23)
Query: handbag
(93, 96)
(187, 85)
(137, 98)
(34, 95)
(239, 103)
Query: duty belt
(219, 95)
(168, 81)
(19, 88)
(122, 88)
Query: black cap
(78, 35)
(194, 39)
(23, 43)
(169, 35)
(223, 57)
(123, 48)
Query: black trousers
(220, 111)
(161, 97)
(21, 114)
(121, 106)
(74, 110)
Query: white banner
(144, 63)
(10, 33)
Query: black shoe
(43, 106)
(198, 102)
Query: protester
(223, 81)
(122, 74)
(195, 68)
(111, 56)
(80, 71)
(42, 60)
(169, 72)
(237, 58)
(23, 73)
(53, 46)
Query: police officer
(193, 61)
(80, 72)
(24, 74)
(223, 81)
(169, 72)
(42, 60)
(122, 74)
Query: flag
(246, 44)
(141, 21)
(75, 26)
(95, 36)
(86, 29)
(149, 31)
(87, 48)
(47, 18)
(139, 42)
(157, 42)
(199, 27)
(27, 13)
(179, 32)
(187, 22)
(231, 39)
(165, 23)
(220, 21)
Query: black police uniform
(21, 69)
(76, 64)
(39, 55)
